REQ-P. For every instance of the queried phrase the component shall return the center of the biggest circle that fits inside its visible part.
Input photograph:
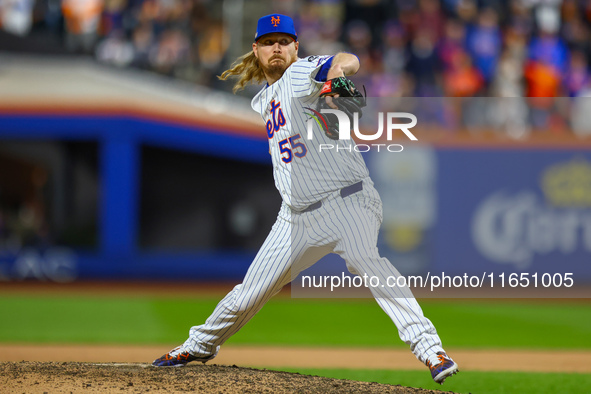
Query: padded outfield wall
(514, 208)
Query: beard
(276, 69)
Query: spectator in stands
(423, 64)
(510, 112)
(483, 43)
(143, 42)
(547, 47)
(358, 40)
(520, 17)
(453, 41)
(16, 16)
(467, 11)
(53, 17)
(113, 17)
(430, 18)
(115, 49)
(508, 79)
(577, 77)
(211, 49)
(546, 66)
(393, 48)
(462, 79)
(172, 51)
(82, 19)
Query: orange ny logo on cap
(275, 21)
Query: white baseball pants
(347, 226)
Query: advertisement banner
(522, 211)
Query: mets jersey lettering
(277, 119)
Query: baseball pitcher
(329, 202)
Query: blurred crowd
(463, 48)
(414, 48)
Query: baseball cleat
(178, 358)
(446, 367)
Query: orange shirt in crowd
(542, 80)
(82, 16)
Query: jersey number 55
(295, 148)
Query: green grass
(149, 320)
(461, 323)
(97, 320)
(468, 381)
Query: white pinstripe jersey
(304, 174)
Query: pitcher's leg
(358, 248)
(283, 255)
(266, 276)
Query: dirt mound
(43, 377)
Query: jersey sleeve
(321, 72)
(308, 74)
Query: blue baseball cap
(275, 23)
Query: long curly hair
(248, 68)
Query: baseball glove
(349, 100)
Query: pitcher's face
(276, 52)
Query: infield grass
(151, 320)
(474, 382)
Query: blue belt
(346, 191)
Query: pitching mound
(40, 377)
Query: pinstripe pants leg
(286, 249)
(355, 221)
